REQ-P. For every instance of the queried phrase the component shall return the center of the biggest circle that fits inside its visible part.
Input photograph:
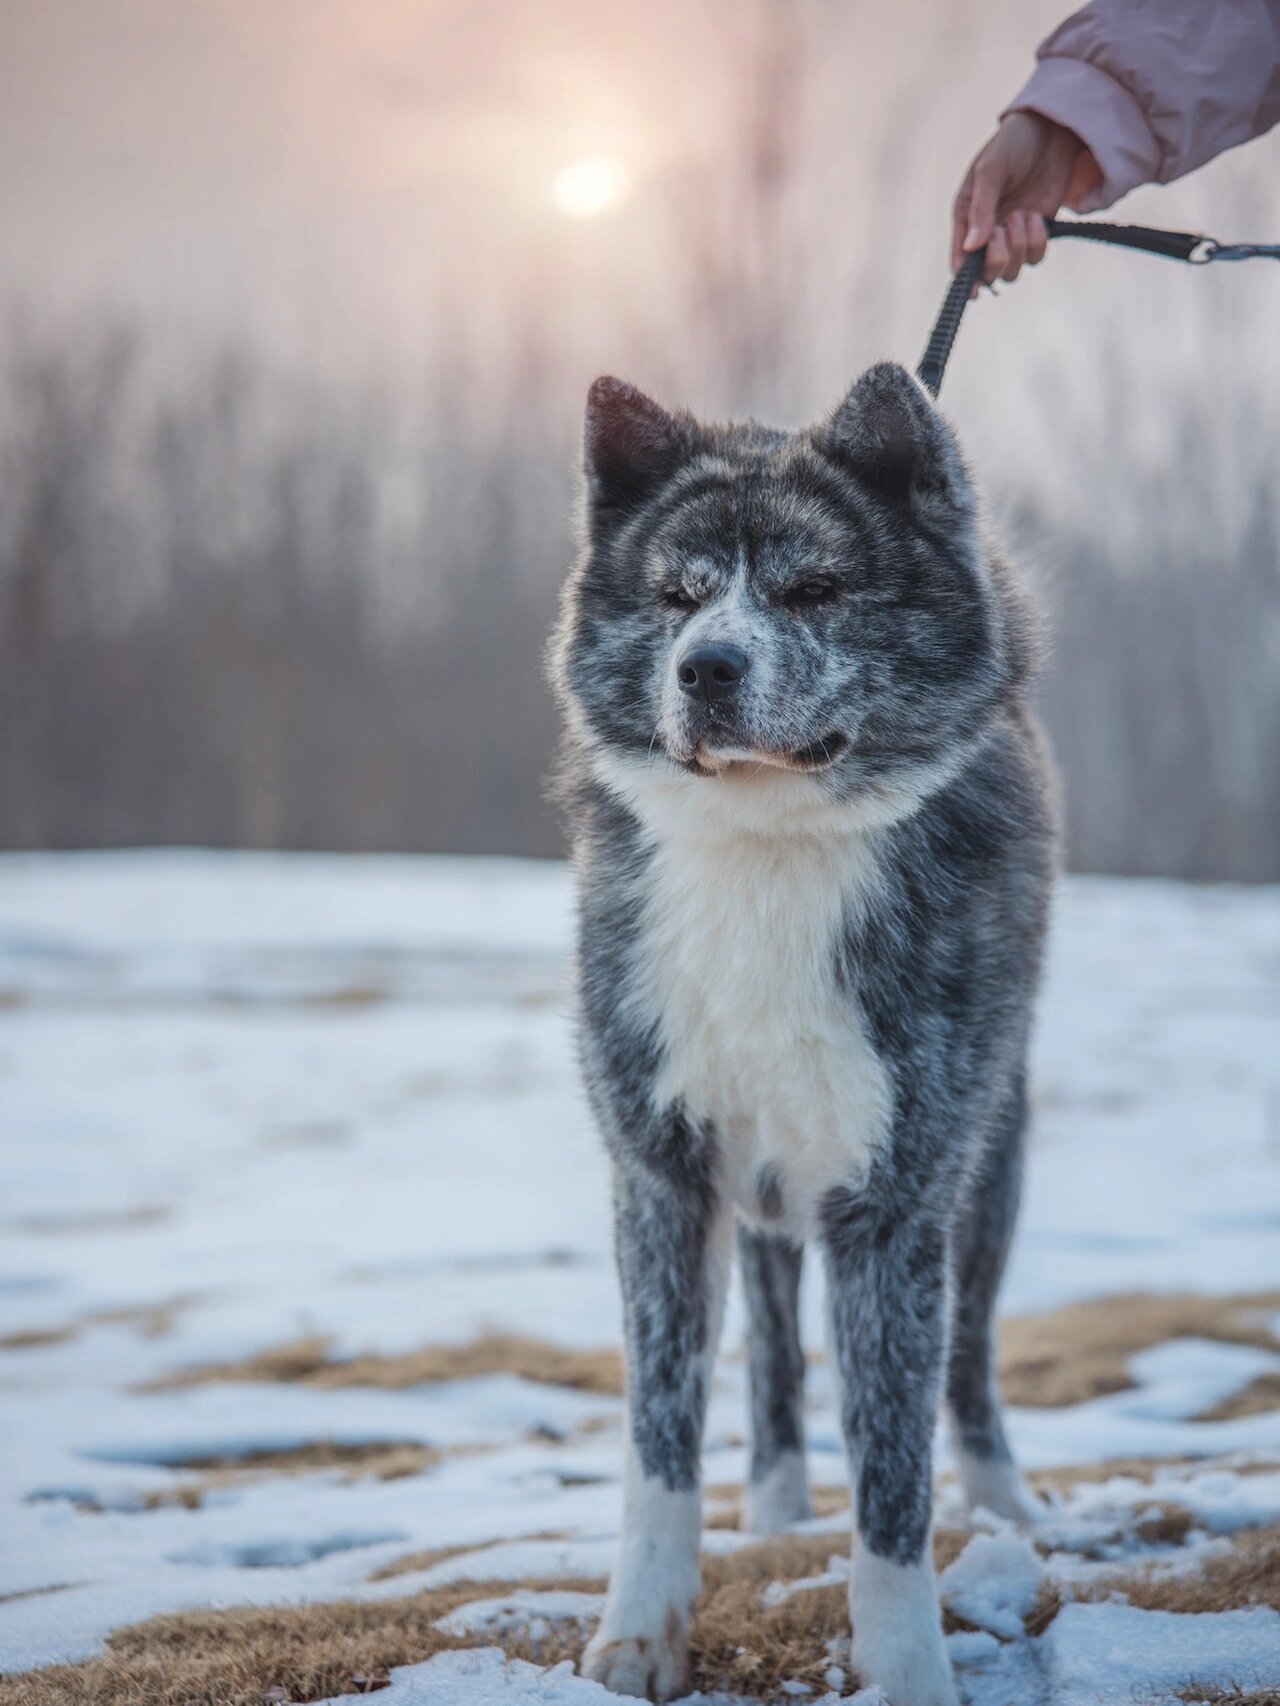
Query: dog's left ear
(631, 447)
(889, 434)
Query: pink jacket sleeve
(1155, 88)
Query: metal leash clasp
(1209, 249)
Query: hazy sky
(363, 177)
(336, 157)
(298, 151)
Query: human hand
(1029, 169)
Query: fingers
(960, 223)
(1016, 242)
(997, 255)
(1021, 241)
(988, 184)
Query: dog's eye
(805, 593)
(679, 598)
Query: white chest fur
(738, 966)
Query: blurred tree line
(239, 610)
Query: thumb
(988, 185)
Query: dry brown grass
(742, 1646)
(1165, 1524)
(1161, 1523)
(355, 995)
(739, 1644)
(1211, 1694)
(32, 1338)
(234, 1658)
(1082, 1351)
(1143, 1469)
(1071, 1354)
(411, 1562)
(1246, 1574)
(150, 1320)
(34, 1593)
(1255, 1399)
(303, 1653)
(308, 1362)
(58, 1225)
(385, 1462)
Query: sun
(590, 186)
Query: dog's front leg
(887, 1281)
(673, 1238)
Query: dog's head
(814, 613)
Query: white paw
(921, 1678)
(897, 1632)
(642, 1645)
(773, 1503)
(994, 1484)
(649, 1667)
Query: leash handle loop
(1173, 245)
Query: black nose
(712, 672)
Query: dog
(814, 830)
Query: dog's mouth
(818, 755)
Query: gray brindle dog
(814, 833)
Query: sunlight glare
(588, 187)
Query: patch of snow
(284, 1552)
(521, 1560)
(1183, 1377)
(1173, 1381)
(971, 1646)
(526, 1609)
(484, 1676)
(1225, 1503)
(994, 1583)
(1116, 1652)
(835, 1575)
(1098, 1519)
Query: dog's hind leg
(981, 1236)
(778, 1493)
(674, 1240)
(887, 1272)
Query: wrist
(1100, 116)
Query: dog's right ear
(631, 447)
(891, 435)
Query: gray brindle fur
(814, 835)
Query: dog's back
(813, 830)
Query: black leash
(1173, 245)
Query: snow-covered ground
(250, 1099)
